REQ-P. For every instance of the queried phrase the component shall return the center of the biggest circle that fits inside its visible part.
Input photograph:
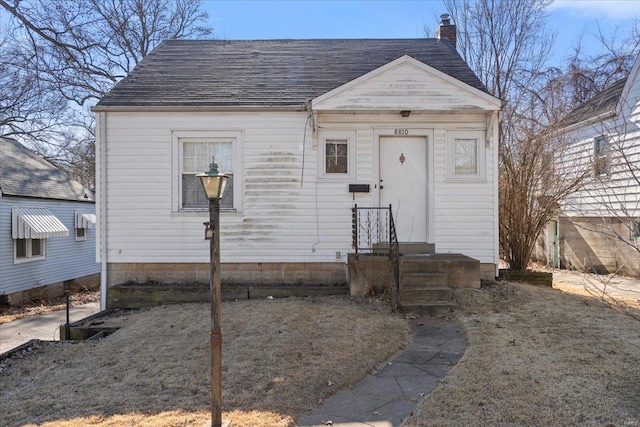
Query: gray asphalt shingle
(221, 73)
(603, 102)
(23, 173)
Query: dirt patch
(281, 358)
(539, 356)
(46, 305)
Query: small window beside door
(336, 160)
(466, 156)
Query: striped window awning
(85, 219)
(36, 223)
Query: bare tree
(66, 54)
(588, 73)
(508, 45)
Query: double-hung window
(196, 157)
(192, 153)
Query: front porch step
(425, 294)
(416, 248)
(419, 278)
(427, 308)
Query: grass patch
(279, 359)
(538, 356)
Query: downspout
(496, 120)
(101, 187)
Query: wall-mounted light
(405, 113)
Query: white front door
(403, 184)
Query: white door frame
(400, 131)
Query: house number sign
(401, 132)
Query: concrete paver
(391, 394)
(42, 326)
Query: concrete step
(462, 271)
(417, 248)
(425, 294)
(429, 309)
(423, 279)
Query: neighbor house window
(336, 156)
(81, 234)
(600, 156)
(635, 230)
(465, 155)
(29, 249)
(196, 157)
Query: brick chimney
(446, 30)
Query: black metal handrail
(374, 233)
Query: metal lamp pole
(214, 184)
(216, 309)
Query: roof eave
(591, 120)
(200, 108)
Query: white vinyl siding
(288, 214)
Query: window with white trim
(29, 249)
(466, 156)
(81, 234)
(336, 155)
(600, 156)
(196, 155)
(337, 159)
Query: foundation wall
(230, 273)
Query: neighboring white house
(47, 226)
(295, 122)
(598, 229)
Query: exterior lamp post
(214, 184)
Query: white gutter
(197, 108)
(101, 188)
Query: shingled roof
(23, 173)
(285, 73)
(603, 102)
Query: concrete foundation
(230, 273)
(595, 245)
(91, 282)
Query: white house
(47, 227)
(598, 229)
(295, 123)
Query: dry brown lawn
(536, 357)
(539, 357)
(281, 358)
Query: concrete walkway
(42, 326)
(597, 285)
(390, 395)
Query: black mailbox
(358, 188)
